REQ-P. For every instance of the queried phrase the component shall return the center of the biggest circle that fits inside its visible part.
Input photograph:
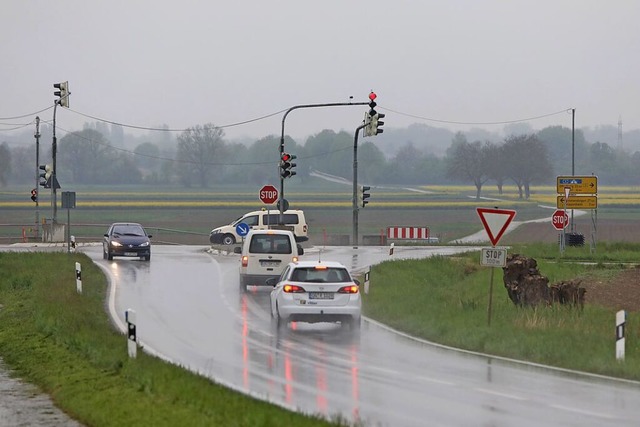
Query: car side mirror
(149, 236)
(356, 281)
(271, 281)
(300, 250)
(237, 250)
(106, 235)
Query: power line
(474, 123)
(176, 130)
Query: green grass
(445, 300)
(64, 342)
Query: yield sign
(495, 222)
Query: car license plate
(320, 295)
(130, 254)
(269, 263)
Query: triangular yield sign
(495, 222)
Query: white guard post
(73, 243)
(391, 249)
(132, 340)
(78, 278)
(620, 321)
(366, 280)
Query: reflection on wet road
(190, 310)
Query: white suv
(293, 220)
(264, 254)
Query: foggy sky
(188, 62)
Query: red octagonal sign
(559, 219)
(268, 194)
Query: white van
(294, 221)
(265, 254)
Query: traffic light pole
(354, 203)
(54, 148)
(296, 107)
(37, 187)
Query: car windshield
(320, 275)
(128, 230)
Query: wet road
(190, 311)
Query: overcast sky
(189, 62)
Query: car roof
(269, 231)
(125, 223)
(311, 264)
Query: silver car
(316, 291)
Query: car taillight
(351, 289)
(245, 261)
(293, 289)
(294, 259)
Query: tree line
(202, 157)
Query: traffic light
(364, 195)
(63, 93)
(373, 119)
(46, 175)
(376, 123)
(287, 165)
(34, 195)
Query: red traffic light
(286, 157)
(372, 95)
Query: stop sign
(268, 194)
(559, 219)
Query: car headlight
(215, 231)
(116, 244)
(145, 244)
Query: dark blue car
(126, 239)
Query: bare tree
(526, 160)
(5, 163)
(198, 149)
(466, 161)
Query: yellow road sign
(577, 184)
(578, 202)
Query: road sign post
(495, 222)
(268, 194)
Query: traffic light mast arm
(284, 117)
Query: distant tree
(526, 161)
(86, 157)
(24, 165)
(371, 163)
(602, 160)
(262, 159)
(407, 166)
(5, 163)
(466, 162)
(147, 156)
(200, 155)
(495, 161)
(562, 152)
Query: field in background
(187, 215)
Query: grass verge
(64, 343)
(445, 300)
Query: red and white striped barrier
(407, 233)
